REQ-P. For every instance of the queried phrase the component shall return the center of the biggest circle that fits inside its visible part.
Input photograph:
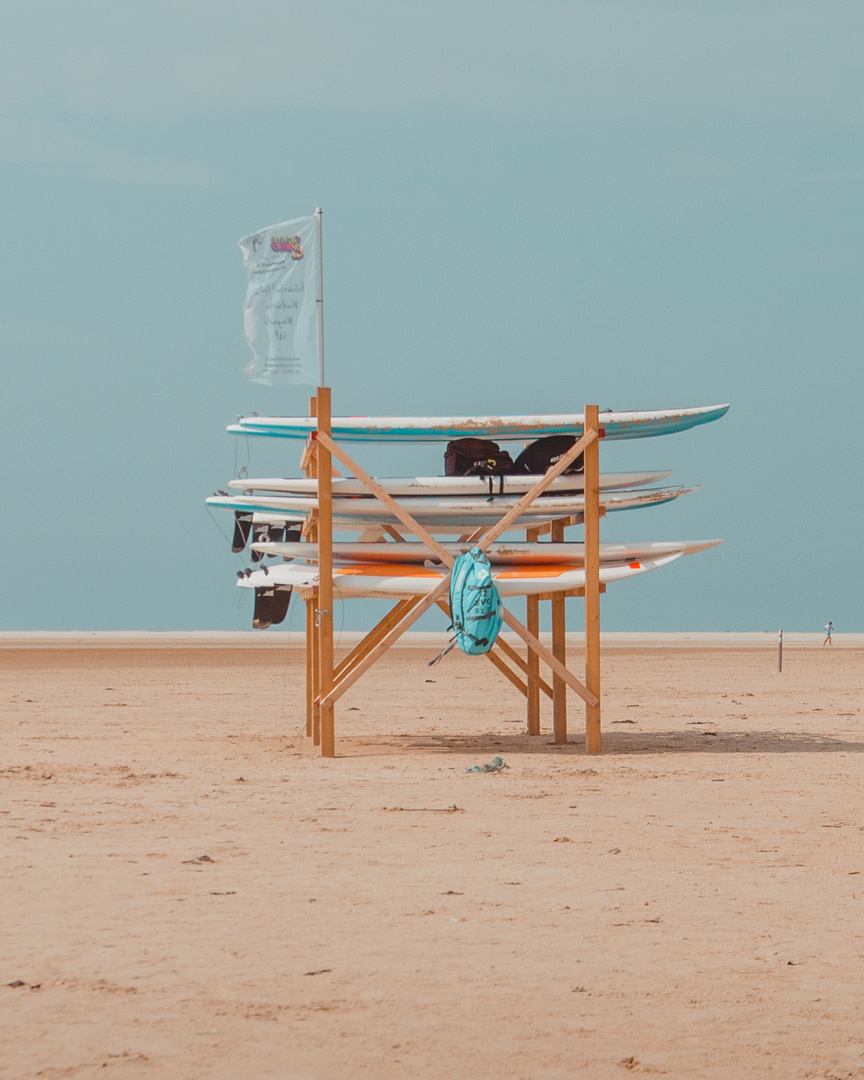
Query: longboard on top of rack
(449, 515)
(446, 486)
(430, 429)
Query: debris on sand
(495, 765)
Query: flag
(279, 316)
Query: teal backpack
(475, 604)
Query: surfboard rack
(327, 681)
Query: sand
(190, 892)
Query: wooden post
(324, 611)
(593, 736)
(532, 621)
(316, 674)
(311, 690)
(559, 651)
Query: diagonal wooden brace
(492, 534)
(310, 454)
(542, 484)
(507, 671)
(388, 500)
(372, 638)
(398, 630)
(432, 544)
(544, 654)
(510, 652)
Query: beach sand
(189, 891)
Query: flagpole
(318, 215)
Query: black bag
(476, 457)
(539, 456)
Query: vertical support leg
(559, 650)
(325, 575)
(316, 677)
(592, 583)
(533, 675)
(311, 686)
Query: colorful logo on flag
(287, 243)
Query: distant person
(828, 630)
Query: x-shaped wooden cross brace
(407, 613)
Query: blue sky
(528, 206)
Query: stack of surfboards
(272, 510)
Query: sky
(528, 206)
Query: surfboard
(431, 429)
(443, 486)
(500, 554)
(408, 579)
(447, 514)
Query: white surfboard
(616, 425)
(452, 514)
(407, 579)
(445, 486)
(499, 554)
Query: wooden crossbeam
(523, 665)
(310, 453)
(506, 671)
(496, 660)
(542, 484)
(544, 654)
(398, 630)
(569, 594)
(504, 647)
(491, 534)
(384, 497)
(372, 638)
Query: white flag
(279, 315)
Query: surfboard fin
(271, 606)
(242, 528)
(285, 532)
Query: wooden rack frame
(326, 682)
